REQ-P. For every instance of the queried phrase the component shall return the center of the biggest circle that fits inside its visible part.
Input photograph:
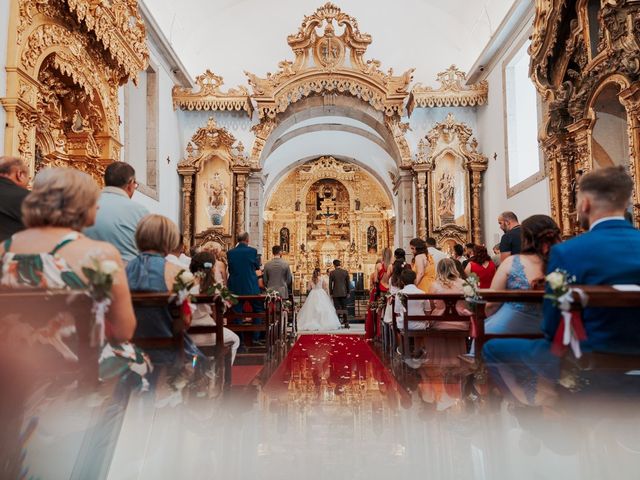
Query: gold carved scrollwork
(210, 97)
(66, 60)
(452, 92)
(570, 69)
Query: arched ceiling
(231, 36)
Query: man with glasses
(118, 215)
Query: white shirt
(414, 307)
(604, 219)
(182, 261)
(437, 255)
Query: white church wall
(4, 28)
(493, 143)
(166, 198)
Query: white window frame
(540, 173)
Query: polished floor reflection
(330, 408)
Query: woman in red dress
(378, 288)
(482, 265)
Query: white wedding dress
(318, 312)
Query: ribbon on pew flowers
(570, 331)
(100, 274)
(182, 288)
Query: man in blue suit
(243, 263)
(605, 255)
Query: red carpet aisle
(333, 369)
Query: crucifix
(327, 215)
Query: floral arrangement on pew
(182, 288)
(570, 331)
(100, 274)
(471, 290)
(218, 290)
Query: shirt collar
(605, 219)
(115, 190)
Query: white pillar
(405, 224)
(255, 212)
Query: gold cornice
(452, 92)
(210, 97)
(329, 63)
(118, 26)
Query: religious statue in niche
(217, 203)
(372, 239)
(284, 239)
(446, 198)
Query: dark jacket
(11, 197)
(607, 255)
(339, 283)
(243, 263)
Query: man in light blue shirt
(118, 215)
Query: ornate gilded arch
(328, 64)
(214, 179)
(66, 60)
(574, 55)
(449, 170)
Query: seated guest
(14, 179)
(444, 351)
(118, 215)
(156, 236)
(605, 255)
(524, 271)
(202, 266)
(220, 270)
(414, 307)
(480, 264)
(51, 252)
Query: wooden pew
(450, 314)
(37, 308)
(271, 319)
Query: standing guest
(243, 264)
(398, 266)
(468, 253)
(511, 240)
(339, 288)
(14, 179)
(422, 264)
(496, 254)
(155, 237)
(379, 287)
(118, 215)
(434, 251)
(459, 259)
(277, 273)
(482, 266)
(444, 351)
(605, 255)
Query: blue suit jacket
(608, 254)
(243, 263)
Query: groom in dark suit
(607, 254)
(339, 289)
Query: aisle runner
(335, 362)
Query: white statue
(217, 203)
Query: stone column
(476, 184)
(187, 196)
(255, 194)
(240, 203)
(403, 189)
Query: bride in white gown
(318, 312)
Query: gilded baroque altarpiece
(66, 60)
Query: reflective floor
(331, 407)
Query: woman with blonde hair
(156, 236)
(51, 253)
(220, 271)
(444, 351)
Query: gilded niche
(66, 60)
(585, 63)
(210, 96)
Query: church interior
(331, 135)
